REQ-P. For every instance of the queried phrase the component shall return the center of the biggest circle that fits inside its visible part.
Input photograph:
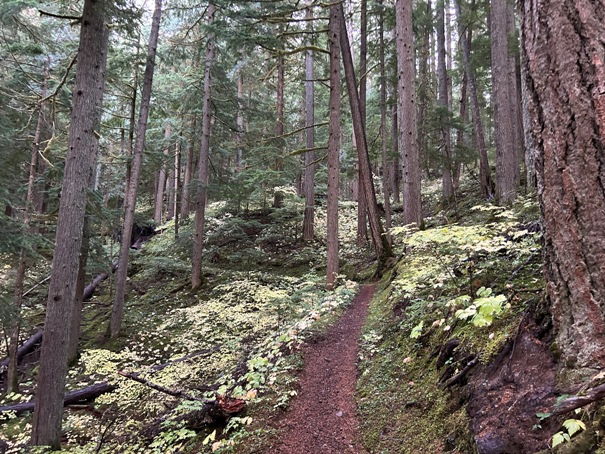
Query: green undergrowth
(470, 281)
(263, 295)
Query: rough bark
(408, 132)
(506, 156)
(133, 183)
(565, 79)
(386, 171)
(382, 247)
(395, 150)
(362, 208)
(79, 165)
(309, 179)
(334, 33)
(202, 171)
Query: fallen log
(79, 396)
(28, 346)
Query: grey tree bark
(117, 312)
(487, 185)
(382, 247)
(203, 163)
(334, 34)
(408, 132)
(159, 191)
(444, 104)
(79, 165)
(309, 178)
(506, 156)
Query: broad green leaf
(557, 439)
(573, 426)
(417, 330)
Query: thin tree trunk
(423, 88)
(79, 166)
(30, 202)
(386, 174)
(487, 186)
(131, 192)
(506, 156)
(159, 191)
(279, 128)
(171, 184)
(334, 35)
(446, 142)
(202, 183)
(367, 191)
(185, 197)
(395, 150)
(309, 180)
(240, 123)
(408, 132)
(362, 208)
(178, 192)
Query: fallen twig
(456, 378)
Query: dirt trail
(322, 418)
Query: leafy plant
(572, 427)
(484, 308)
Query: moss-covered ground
(466, 280)
(238, 335)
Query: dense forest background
(192, 191)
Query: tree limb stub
(574, 402)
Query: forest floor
(323, 417)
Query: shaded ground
(507, 394)
(323, 418)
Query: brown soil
(507, 394)
(323, 418)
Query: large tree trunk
(202, 183)
(79, 165)
(367, 191)
(408, 132)
(565, 79)
(506, 156)
(362, 208)
(334, 34)
(309, 179)
(117, 312)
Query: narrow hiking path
(323, 418)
